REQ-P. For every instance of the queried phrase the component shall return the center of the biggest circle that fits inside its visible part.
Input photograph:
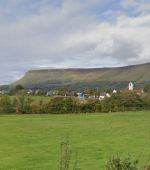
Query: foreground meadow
(33, 141)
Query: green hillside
(81, 79)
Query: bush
(116, 163)
(69, 104)
(15, 102)
(65, 155)
(7, 110)
(57, 106)
(94, 105)
(24, 108)
(5, 100)
(147, 88)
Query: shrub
(56, 106)
(24, 108)
(21, 99)
(116, 163)
(65, 154)
(15, 102)
(40, 102)
(7, 110)
(94, 105)
(69, 104)
(5, 100)
(106, 105)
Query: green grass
(36, 99)
(45, 100)
(33, 141)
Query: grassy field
(33, 141)
(36, 99)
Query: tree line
(58, 105)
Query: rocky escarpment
(81, 79)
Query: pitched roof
(103, 94)
(136, 91)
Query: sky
(52, 34)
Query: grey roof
(103, 94)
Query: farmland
(36, 99)
(33, 141)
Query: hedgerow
(58, 105)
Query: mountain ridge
(78, 79)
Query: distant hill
(81, 79)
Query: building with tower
(138, 91)
(130, 86)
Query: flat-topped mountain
(81, 79)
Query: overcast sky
(41, 34)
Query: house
(79, 94)
(136, 91)
(4, 92)
(82, 96)
(139, 91)
(29, 91)
(114, 91)
(103, 95)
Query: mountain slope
(81, 79)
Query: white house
(103, 95)
(114, 91)
(4, 92)
(29, 91)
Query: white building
(130, 86)
(114, 91)
(103, 95)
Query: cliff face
(81, 79)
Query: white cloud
(128, 3)
(65, 33)
(142, 6)
(126, 41)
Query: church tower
(130, 86)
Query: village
(91, 94)
(64, 92)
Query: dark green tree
(5, 104)
(18, 87)
(75, 94)
(57, 105)
(147, 88)
(16, 90)
(90, 91)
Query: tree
(5, 104)
(108, 91)
(5, 100)
(63, 91)
(90, 91)
(147, 88)
(130, 100)
(18, 87)
(75, 94)
(57, 105)
(41, 93)
(94, 104)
